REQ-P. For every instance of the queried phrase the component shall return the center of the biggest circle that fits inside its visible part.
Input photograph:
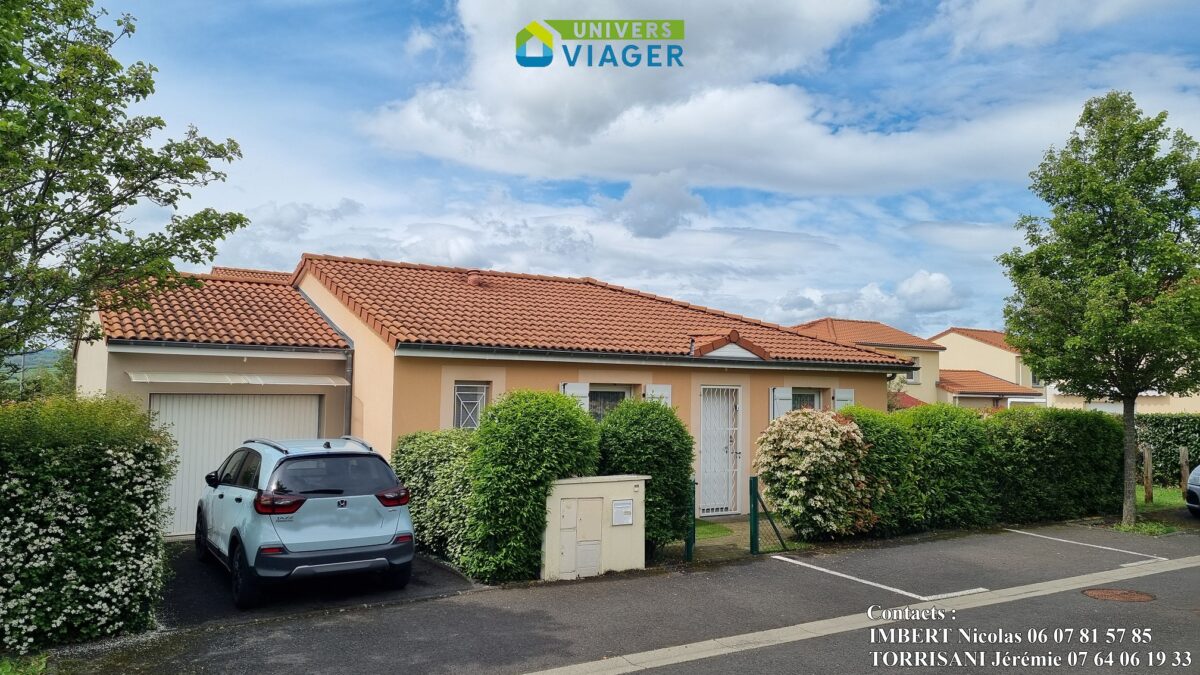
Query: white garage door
(208, 427)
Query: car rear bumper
(299, 565)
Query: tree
(1107, 296)
(72, 161)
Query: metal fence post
(689, 543)
(753, 515)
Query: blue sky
(856, 159)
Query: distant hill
(37, 360)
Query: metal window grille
(469, 400)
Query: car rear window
(333, 475)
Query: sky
(856, 159)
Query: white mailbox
(580, 541)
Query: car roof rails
(358, 440)
(267, 442)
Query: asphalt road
(546, 626)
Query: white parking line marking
(1080, 543)
(922, 598)
(1135, 563)
(628, 663)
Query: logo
(600, 43)
(535, 46)
(342, 503)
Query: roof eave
(517, 353)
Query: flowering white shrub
(81, 548)
(810, 463)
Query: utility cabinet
(594, 525)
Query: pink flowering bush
(810, 463)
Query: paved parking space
(198, 593)
(546, 626)
(994, 560)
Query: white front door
(209, 427)
(720, 453)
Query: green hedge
(84, 485)
(526, 440)
(893, 469)
(1051, 463)
(433, 465)
(1165, 433)
(954, 450)
(647, 437)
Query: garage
(207, 427)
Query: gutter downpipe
(349, 412)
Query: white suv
(292, 509)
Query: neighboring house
(424, 347)
(977, 389)
(919, 384)
(987, 351)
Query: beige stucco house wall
(925, 388)
(966, 353)
(1145, 404)
(424, 387)
(103, 369)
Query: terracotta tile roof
(994, 338)
(411, 303)
(866, 333)
(907, 400)
(976, 382)
(228, 311)
(244, 273)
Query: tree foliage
(1107, 294)
(73, 160)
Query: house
(977, 389)
(241, 356)
(919, 384)
(381, 349)
(988, 353)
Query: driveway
(789, 612)
(198, 593)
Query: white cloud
(926, 291)
(653, 206)
(993, 24)
(419, 41)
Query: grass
(1149, 528)
(1165, 497)
(28, 665)
(706, 529)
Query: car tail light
(273, 503)
(402, 539)
(270, 550)
(397, 496)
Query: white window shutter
(781, 401)
(579, 390)
(842, 398)
(658, 392)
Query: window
(604, 397)
(1034, 379)
(469, 401)
(915, 376)
(229, 470)
(786, 399)
(348, 475)
(247, 476)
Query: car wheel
(246, 591)
(397, 576)
(202, 552)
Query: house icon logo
(535, 46)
